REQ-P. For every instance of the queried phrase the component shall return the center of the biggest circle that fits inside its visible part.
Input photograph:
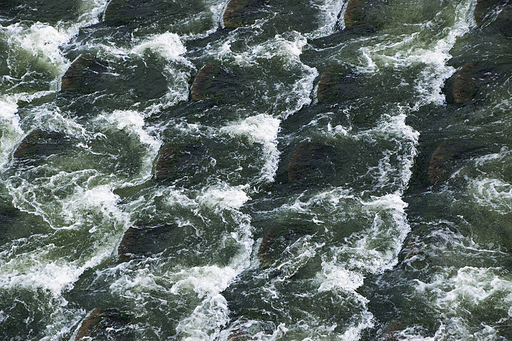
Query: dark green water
(330, 182)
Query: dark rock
(496, 14)
(354, 13)
(412, 253)
(39, 10)
(40, 144)
(108, 324)
(464, 84)
(472, 83)
(337, 83)
(242, 12)
(278, 238)
(444, 154)
(84, 75)
(141, 240)
(238, 332)
(311, 161)
(365, 14)
(116, 12)
(484, 8)
(213, 82)
(441, 162)
(126, 12)
(128, 244)
(178, 160)
(88, 325)
(393, 331)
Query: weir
(255, 170)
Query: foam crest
(207, 320)
(91, 11)
(10, 130)
(382, 223)
(38, 269)
(389, 227)
(467, 293)
(168, 45)
(331, 18)
(37, 47)
(405, 51)
(205, 281)
(332, 277)
(284, 98)
(133, 122)
(262, 129)
(223, 197)
(493, 193)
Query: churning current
(256, 170)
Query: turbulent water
(382, 214)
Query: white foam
(460, 294)
(37, 47)
(261, 129)
(405, 51)
(132, 122)
(331, 17)
(168, 45)
(332, 277)
(91, 11)
(394, 128)
(208, 319)
(492, 193)
(10, 131)
(223, 196)
(284, 99)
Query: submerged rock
(393, 331)
(496, 14)
(337, 83)
(354, 13)
(40, 144)
(278, 238)
(443, 155)
(242, 12)
(412, 253)
(39, 10)
(108, 324)
(125, 12)
(311, 161)
(464, 84)
(485, 8)
(179, 160)
(213, 82)
(441, 162)
(88, 325)
(83, 75)
(140, 240)
(364, 14)
(122, 12)
(474, 81)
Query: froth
(261, 129)
(493, 193)
(331, 17)
(10, 130)
(470, 292)
(168, 45)
(38, 46)
(283, 99)
(223, 197)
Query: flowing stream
(309, 170)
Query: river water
(329, 182)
